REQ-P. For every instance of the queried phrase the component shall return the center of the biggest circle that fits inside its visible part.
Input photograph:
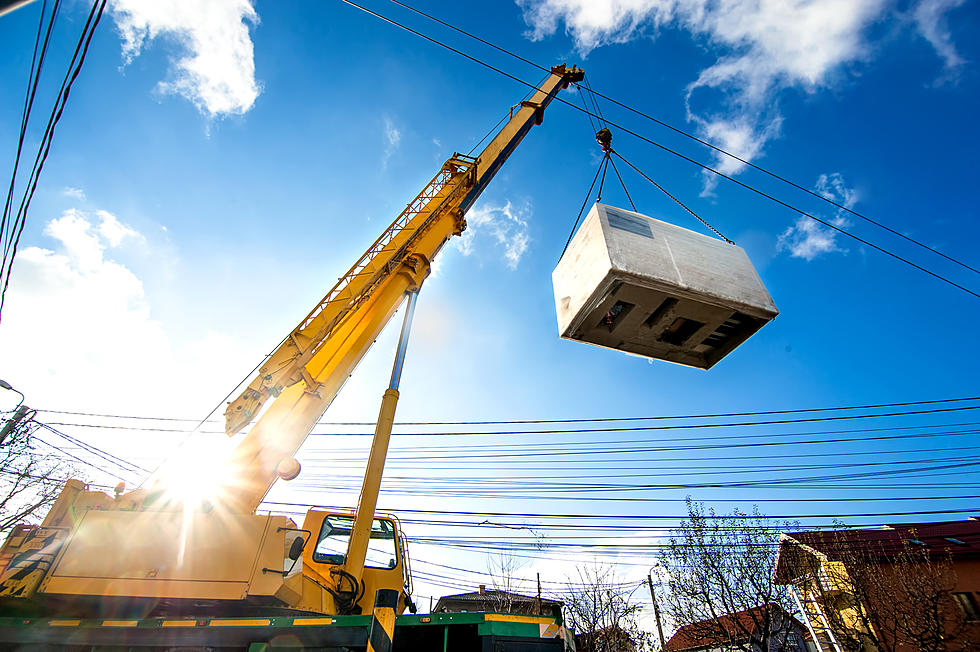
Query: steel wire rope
(503, 118)
(703, 166)
(676, 200)
(623, 183)
(585, 104)
(584, 204)
(602, 180)
(595, 102)
(697, 139)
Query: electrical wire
(837, 408)
(691, 136)
(98, 452)
(78, 459)
(703, 166)
(650, 517)
(17, 228)
(33, 78)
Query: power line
(714, 415)
(20, 219)
(691, 136)
(33, 78)
(78, 459)
(98, 452)
(703, 166)
(652, 517)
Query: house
(492, 600)
(742, 631)
(895, 588)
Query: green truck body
(446, 632)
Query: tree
(30, 480)
(891, 592)
(603, 613)
(721, 565)
(503, 568)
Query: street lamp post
(20, 411)
(5, 385)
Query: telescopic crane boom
(142, 552)
(308, 369)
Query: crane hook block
(604, 138)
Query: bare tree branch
(603, 613)
(721, 584)
(29, 479)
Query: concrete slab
(637, 284)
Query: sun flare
(196, 475)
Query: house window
(968, 604)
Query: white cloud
(114, 231)
(833, 187)
(506, 226)
(90, 312)
(101, 347)
(741, 136)
(216, 70)
(74, 193)
(763, 47)
(930, 20)
(808, 238)
(393, 137)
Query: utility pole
(539, 593)
(13, 422)
(656, 612)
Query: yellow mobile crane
(141, 553)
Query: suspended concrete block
(633, 283)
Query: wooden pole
(656, 613)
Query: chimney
(483, 589)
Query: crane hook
(604, 138)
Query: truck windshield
(331, 546)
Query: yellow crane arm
(307, 370)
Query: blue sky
(221, 164)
